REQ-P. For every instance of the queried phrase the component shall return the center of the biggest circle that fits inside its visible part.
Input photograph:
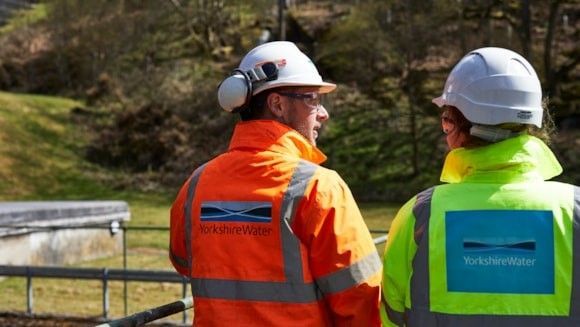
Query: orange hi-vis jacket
(269, 238)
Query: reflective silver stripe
(178, 260)
(350, 276)
(290, 243)
(296, 188)
(420, 278)
(255, 291)
(422, 212)
(575, 299)
(426, 318)
(396, 317)
(187, 215)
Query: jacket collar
(274, 136)
(517, 159)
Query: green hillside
(42, 142)
(41, 150)
(150, 70)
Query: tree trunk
(281, 20)
(548, 69)
(526, 29)
(414, 138)
(462, 32)
(410, 88)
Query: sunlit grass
(41, 149)
(378, 217)
(84, 298)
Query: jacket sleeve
(178, 253)
(342, 256)
(397, 266)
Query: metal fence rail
(93, 273)
(114, 227)
(103, 274)
(143, 317)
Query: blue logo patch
(230, 211)
(500, 251)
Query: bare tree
(554, 75)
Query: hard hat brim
(327, 87)
(438, 101)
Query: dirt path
(20, 321)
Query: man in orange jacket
(266, 235)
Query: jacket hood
(516, 159)
(274, 136)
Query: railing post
(105, 293)
(125, 267)
(184, 295)
(29, 299)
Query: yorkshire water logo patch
(499, 245)
(236, 211)
(500, 251)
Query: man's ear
(274, 103)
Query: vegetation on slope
(150, 70)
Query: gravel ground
(15, 320)
(10, 319)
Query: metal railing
(381, 239)
(106, 275)
(143, 317)
(113, 227)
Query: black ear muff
(235, 92)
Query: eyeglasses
(312, 99)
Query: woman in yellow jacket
(499, 245)
(266, 235)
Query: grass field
(41, 159)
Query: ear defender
(235, 92)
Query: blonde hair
(548, 130)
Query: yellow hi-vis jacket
(498, 246)
(269, 238)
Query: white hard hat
(272, 64)
(493, 86)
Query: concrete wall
(58, 247)
(34, 233)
